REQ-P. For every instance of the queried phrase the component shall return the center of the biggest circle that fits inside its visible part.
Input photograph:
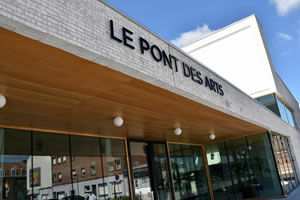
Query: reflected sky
(12, 158)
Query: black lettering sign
(166, 59)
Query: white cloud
(284, 36)
(286, 6)
(190, 36)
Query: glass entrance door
(150, 171)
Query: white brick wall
(81, 27)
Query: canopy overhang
(52, 90)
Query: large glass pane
(87, 168)
(141, 166)
(282, 111)
(15, 152)
(270, 102)
(219, 171)
(280, 162)
(290, 171)
(290, 117)
(116, 182)
(188, 172)
(263, 164)
(242, 174)
(161, 172)
(51, 173)
(296, 178)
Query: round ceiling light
(177, 131)
(118, 121)
(2, 101)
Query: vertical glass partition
(15, 179)
(115, 171)
(243, 168)
(220, 174)
(188, 171)
(50, 176)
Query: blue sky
(280, 20)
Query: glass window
(59, 177)
(88, 156)
(64, 159)
(15, 152)
(2, 172)
(282, 111)
(47, 146)
(290, 116)
(110, 166)
(93, 170)
(74, 175)
(118, 165)
(112, 150)
(54, 160)
(188, 172)
(13, 172)
(263, 164)
(270, 102)
(101, 189)
(58, 160)
(82, 172)
(54, 178)
(219, 171)
(240, 167)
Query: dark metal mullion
(71, 166)
(270, 137)
(229, 167)
(152, 169)
(169, 170)
(131, 169)
(102, 168)
(31, 149)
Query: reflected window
(219, 171)
(118, 165)
(14, 156)
(83, 172)
(188, 172)
(59, 177)
(74, 175)
(2, 172)
(54, 161)
(13, 172)
(93, 170)
(54, 178)
(110, 166)
(47, 150)
(59, 160)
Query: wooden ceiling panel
(52, 90)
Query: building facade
(70, 69)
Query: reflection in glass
(15, 150)
(161, 172)
(51, 178)
(150, 171)
(242, 173)
(188, 172)
(261, 157)
(116, 182)
(270, 102)
(86, 155)
(219, 171)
